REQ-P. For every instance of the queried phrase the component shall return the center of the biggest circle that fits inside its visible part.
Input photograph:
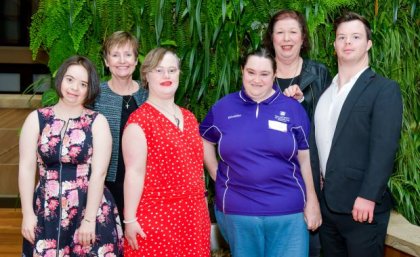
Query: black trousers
(341, 236)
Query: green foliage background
(210, 37)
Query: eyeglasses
(161, 70)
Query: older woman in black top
(287, 38)
(119, 97)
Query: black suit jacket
(364, 145)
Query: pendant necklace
(293, 78)
(129, 89)
(177, 121)
(127, 103)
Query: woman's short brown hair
(93, 79)
(152, 60)
(281, 15)
(120, 38)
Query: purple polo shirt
(258, 172)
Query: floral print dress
(64, 161)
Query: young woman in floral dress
(70, 213)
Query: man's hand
(363, 210)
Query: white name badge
(277, 125)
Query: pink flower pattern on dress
(64, 156)
(77, 136)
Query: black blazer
(364, 145)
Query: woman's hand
(85, 234)
(295, 92)
(312, 215)
(28, 227)
(312, 212)
(131, 231)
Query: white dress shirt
(326, 116)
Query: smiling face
(74, 86)
(287, 39)
(121, 60)
(258, 77)
(163, 80)
(351, 43)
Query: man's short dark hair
(351, 16)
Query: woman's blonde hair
(152, 60)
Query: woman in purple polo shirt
(265, 197)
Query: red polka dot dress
(172, 210)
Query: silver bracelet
(302, 99)
(130, 221)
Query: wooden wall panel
(9, 146)
(8, 180)
(11, 121)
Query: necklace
(127, 103)
(291, 81)
(293, 78)
(122, 92)
(177, 121)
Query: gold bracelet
(88, 221)
(130, 221)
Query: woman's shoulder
(142, 110)
(44, 114)
(44, 111)
(228, 99)
(312, 69)
(98, 117)
(35, 115)
(142, 92)
(90, 115)
(88, 111)
(308, 63)
(142, 116)
(142, 88)
(104, 85)
(286, 100)
(104, 90)
(187, 113)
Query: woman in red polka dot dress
(165, 209)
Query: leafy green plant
(210, 36)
